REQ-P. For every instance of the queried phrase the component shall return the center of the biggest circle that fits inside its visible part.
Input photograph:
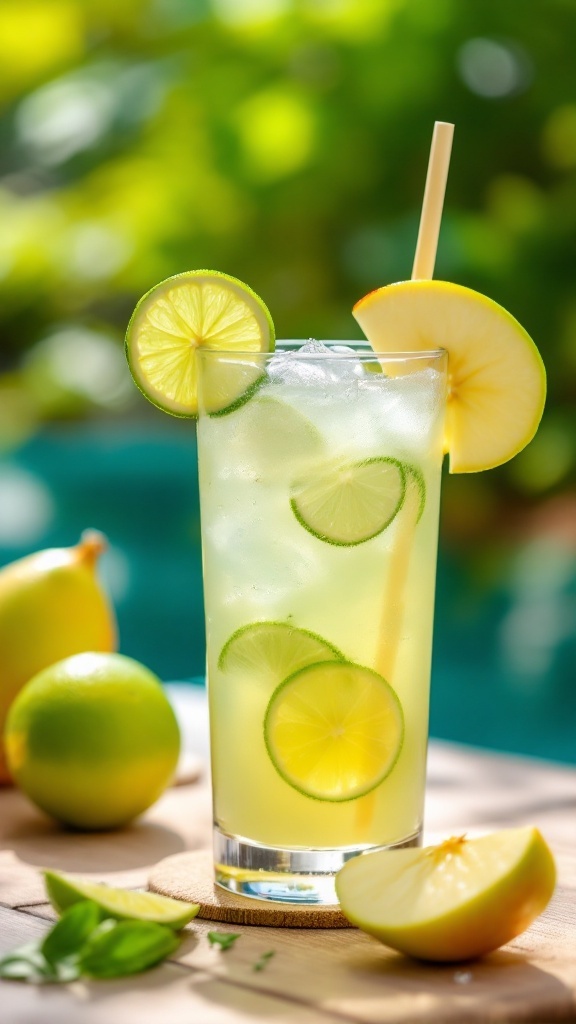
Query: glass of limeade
(319, 493)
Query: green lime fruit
(121, 904)
(269, 651)
(200, 308)
(334, 730)
(93, 740)
(350, 504)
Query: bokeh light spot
(516, 202)
(277, 131)
(493, 69)
(541, 616)
(64, 118)
(114, 568)
(559, 137)
(96, 251)
(26, 508)
(36, 36)
(233, 12)
(77, 362)
(546, 461)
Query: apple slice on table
(497, 380)
(455, 901)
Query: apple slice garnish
(497, 380)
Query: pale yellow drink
(368, 601)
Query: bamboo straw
(431, 216)
(392, 614)
(424, 260)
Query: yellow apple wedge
(497, 380)
(456, 901)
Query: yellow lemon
(51, 606)
(93, 740)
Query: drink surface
(273, 472)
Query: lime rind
(246, 396)
(415, 479)
(251, 647)
(272, 748)
(121, 904)
(311, 492)
(162, 336)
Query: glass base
(285, 876)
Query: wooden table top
(315, 977)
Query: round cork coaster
(190, 877)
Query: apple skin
(476, 927)
(497, 379)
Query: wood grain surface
(314, 975)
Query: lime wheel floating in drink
(271, 651)
(350, 503)
(334, 730)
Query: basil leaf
(70, 933)
(127, 947)
(27, 963)
(223, 939)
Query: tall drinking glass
(319, 492)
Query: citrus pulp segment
(201, 308)
(350, 503)
(270, 651)
(458, 900)
(334, 730)
(497, 378)
(65, 890)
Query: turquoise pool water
(504, 673)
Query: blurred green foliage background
(286, 142)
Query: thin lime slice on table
(122, 904)
(334, 730)
(350, 503)
(201, 308)
(271, 651)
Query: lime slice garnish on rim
(201, 308)
(65, 890)
(351, 503)
(334, 730)
(270, 651)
